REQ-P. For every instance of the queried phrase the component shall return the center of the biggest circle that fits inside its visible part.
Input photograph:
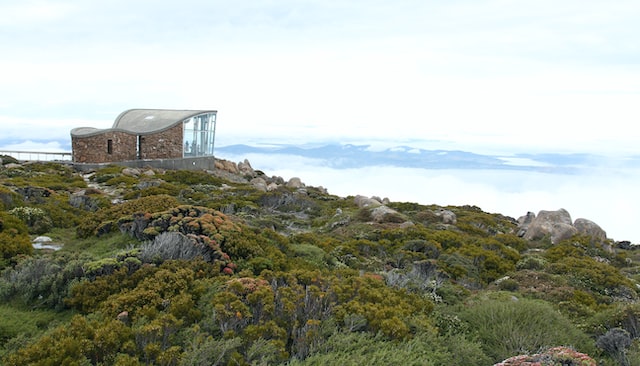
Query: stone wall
(162, 145)
(95, 148)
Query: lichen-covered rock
(554, 356)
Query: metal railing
(38, 155)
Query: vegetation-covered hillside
(205, 268)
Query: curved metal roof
(143, 121)
(85, 131)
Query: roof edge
(91, 131)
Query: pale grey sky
(543, 75)
(489, 75)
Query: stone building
(147, 134)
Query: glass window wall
(199, 135)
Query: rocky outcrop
(245, 168)
(524, 222)
(590, 228)
(362, 201)
(295, 183)
(383, 213)
(448, 217)
(84, 201)
(259, 183)
(378, 211)
(557, 226)
(227, 166)
(243, 172)
(34, 194)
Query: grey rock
(259, 183)
(84, 202)
(407, 224)
(227, 166)
(524, 222)
(556, 225)
(588, 227)
(295, 182)
(34, 194)
(362, 201)
(447, 216)
(383, 213)
(245, 168)
(131, 172)
(149, 183)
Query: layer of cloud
(601, 194)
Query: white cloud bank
(604, 196)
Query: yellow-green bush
(14, 238)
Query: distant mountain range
(345, 156)
(349, 155)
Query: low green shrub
(531, 262)
(366, 349)
(122, 180)
(515, 326)
(191, 177)
(310, 253)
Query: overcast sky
(533, 75)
